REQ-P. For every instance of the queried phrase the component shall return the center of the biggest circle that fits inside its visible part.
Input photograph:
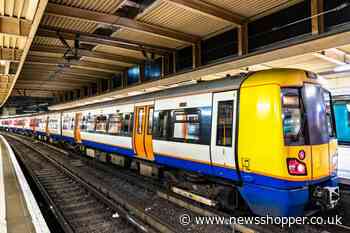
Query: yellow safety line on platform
(3, 223)
(33, 208)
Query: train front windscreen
(307, 115)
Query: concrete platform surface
(19, 212)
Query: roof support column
(99, 86)
(174, 62)
(82, 92)
(124, 79)
(196, 55)
(243, 39)
(142, 73)
(109, 85)
(162, 68)
(317, 20)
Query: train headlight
(296, 168)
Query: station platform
(19, 211)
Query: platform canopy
(19, 20)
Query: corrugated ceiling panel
(147, 38)
(176, 17)
(69, 23)
(119, 51)
(105, 6)
(17, 42)
(24, 9)
(107, 62)
(46, 41)
(248, 8)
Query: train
(342, 118)
(266, 139)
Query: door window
(224, 123)
(140, 120)
(150, 121)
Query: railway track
(162, 209)
(75, 204)
(147, 207)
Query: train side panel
(186, 144)
(342, 119)
(110, 139)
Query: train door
(223, 133)
(46, 122)
(77, 136)
(142, 134)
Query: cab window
(292, 115)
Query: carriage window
(150, 121)
(101, 124)
(115, 124)
(225, 123)
(186, 126)
(140, 120)
(161, 130)
(83, 122)
(128, 123)
(90, 124)
(66, 123)
(72, 123)
(53, 124)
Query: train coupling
(327, 197)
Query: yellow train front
(287, 150)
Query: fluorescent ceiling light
(135, 93)
(342, 68)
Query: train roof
(280, 76)
(283, 77)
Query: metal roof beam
(88, 53)
(43, 87)
(61, 77)
(47, 31)
(210, 10)
(67, 11)
(75, 72)
(41, 60)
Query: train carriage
(108, 129)
(268, 136)
(342, 118)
